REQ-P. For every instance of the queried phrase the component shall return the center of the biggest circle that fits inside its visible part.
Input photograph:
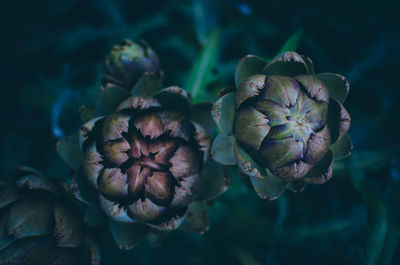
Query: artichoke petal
(31, 217)
(268, 187)
(127, 236)
(277, 115)
(318, 145)
(171, 223)
(201, 114)
(293, 170)
(246, 164)
(113, 183)
(149, 125)
(138, 103)
(309, 64)
(215, 181)
(109, 98)
(277, 153)
(314, 87)
(116, 151)
(186, 191)
(86, 130)
(114, 210)
(251, 127)
(68, 149)
(249, 88)
(321, 171)
(145, 210)
(174, 98)
(223, 113)
(68, 229)
(313, 114)
(203, 140)
(92, 165)
(288, 64)
(148, 84)
(37, 182)
(159, 187)
(8, 195)
(114, 126)
(222, 150)
(337, 85)
(137, 177)
(342, 148)
(5, 238)
(248, 66)
(197, 219)
(283, 90)
(338, 120)
(185, 162)
(163, 148)
(176, 125)
(296, 186)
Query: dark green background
(51, 53)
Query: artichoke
(143, 160)
(283, 125)
(38, 225)
(129, 62)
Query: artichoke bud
(38, 224)
(148, 159)
(128, 62)
(285, 120)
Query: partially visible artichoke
(130, 61)
(38, 224)
(283, 125)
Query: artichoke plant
(39, 225)
(130, 62)
(283, 125)
(143, 160)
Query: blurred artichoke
(283, 125)
(145, 159)
(38, 225)
(130, 61)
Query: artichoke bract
(283, 125)
(38, 225)
(130, 61)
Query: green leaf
(201, 72)
(128, 235)
(342, 148)
(222, 150)
(292, 43)
(69, 150)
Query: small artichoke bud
(287, 124)
(128, 62)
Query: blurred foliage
(50, 66)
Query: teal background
(51, 54)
